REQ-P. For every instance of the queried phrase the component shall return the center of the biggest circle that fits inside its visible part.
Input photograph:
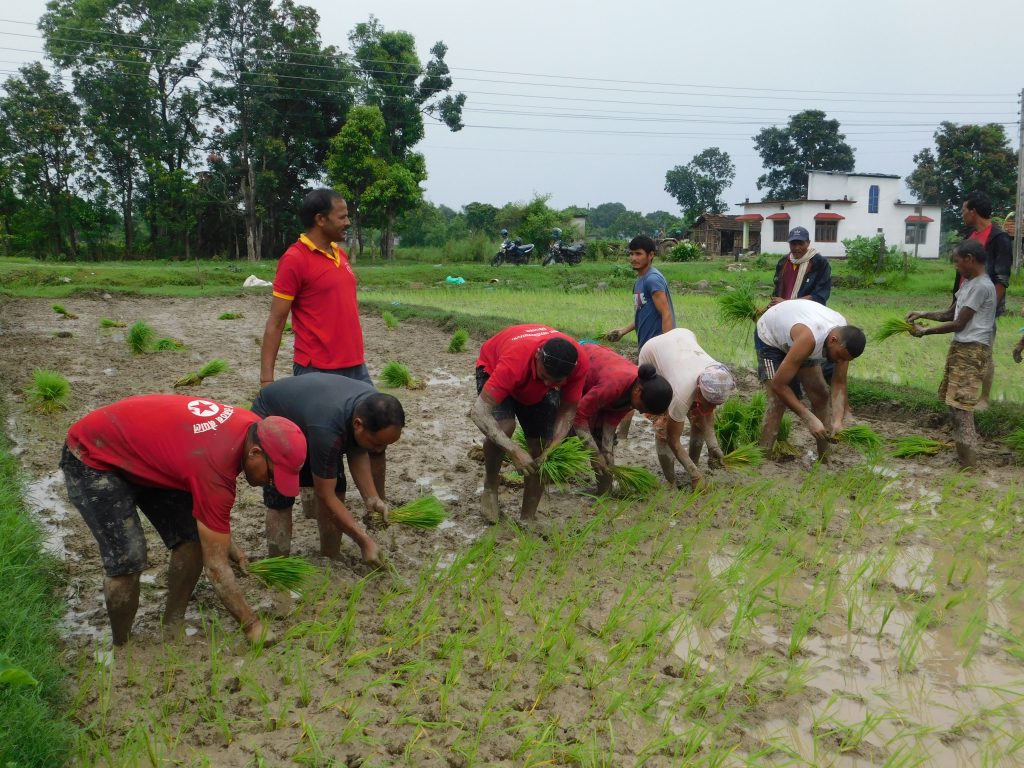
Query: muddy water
(945, 689)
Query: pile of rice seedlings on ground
(106, 322)
(747, 455)
(140, 337)
(49, 391)
(912, 445)
(1016, 441)
(169, 345)
(891, 327)
(291, 573)
(861, 437)
(458, 342)
(738, 305)
(389, 320)
(231, 316)
(396, 375)
(636, 482)
(738, 423)
(424, 512)
(213, 368)
(567, 462)
(61, 310)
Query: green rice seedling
(912, 445)
(231, 316)
(891, 327)
(389, 320)
(1016, 441)
(738, 305)
(213, 368)
(861, 437)
(458, 342)
(291, 573)
(49, 391)
(168, 345)
(566, 462)
(636, 482)
(424, 512)
(61, 310)
(747, 455)
(106, 322)
(738, 423)
(140, 337)
(395, 375)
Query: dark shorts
(537, 420)
(110, 506)
(770, 358)
(357, 372)
(276, 500)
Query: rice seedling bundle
(389, 320)
(1016, 441)
(747, 455)
(291, 573)
(636, 482)
(49, 390)
(140, 337)
(424, 512)
(912, 445)
(396, 375)
(458, 342)
(738, 423)
(213, 368)
(861, 437)
(61, 310)
(168, 345)
(106, 322)
(738, 305)
(891, 327)
(231, 316)
(567, 461)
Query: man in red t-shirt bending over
(535, 374)
(176, 458)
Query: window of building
(826, 231)
(780, 230)
(873, 199)
(916, 233)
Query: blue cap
(798, 233)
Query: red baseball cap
(285, 446)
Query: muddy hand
(1017, 350)
(377, 508)
(523, 461)
(613, 335)
(819, 430)
(371, 553)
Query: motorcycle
(558, 253)
(512, 251)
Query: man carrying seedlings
(652, 303)
(176, 458)
(792, 340)
(339, 417)
(970, 318)
(699, 384)
(977, 216)
(535, 374)
(614, 386)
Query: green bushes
(686, 251)
(864, 256)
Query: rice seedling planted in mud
(213, 368)
(168, 345)
(396, 375)
(49, 390)
(636, 482)
(140, 337)
(738, 305)
(458, 342)
(424, 512)
(891, 327)
(1016, 441)
(61, 310)
(861, 437)
(748, 455)
(912, 445)
(106, 322)
(283, 572)
(231, 316)
(389, 320)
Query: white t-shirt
(980, 295)
(680, 359)
(776, 325)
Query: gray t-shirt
(980, 295)
(322, 406)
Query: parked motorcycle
(512, 251)
(559, 253)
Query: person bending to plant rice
(792, 340)
(534, 374)
(339, 417)
(699, 384)
(614, 387)
(970, 318)
(176, 458)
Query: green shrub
(862, 257)
(686, 251)
(606, 250)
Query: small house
(722, 235)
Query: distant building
(722, 235)
(839, 206)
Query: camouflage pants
(966, 363)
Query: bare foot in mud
(489, 506)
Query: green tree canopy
(810, 142)
(698, 186)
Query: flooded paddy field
(865, 613)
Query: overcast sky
(594, 101)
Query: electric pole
(1018, 215)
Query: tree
(809, 142)
(698, 186)
(966, 158)
(480, 217)
(394, 81)
(601, 217)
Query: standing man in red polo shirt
(535, 374)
